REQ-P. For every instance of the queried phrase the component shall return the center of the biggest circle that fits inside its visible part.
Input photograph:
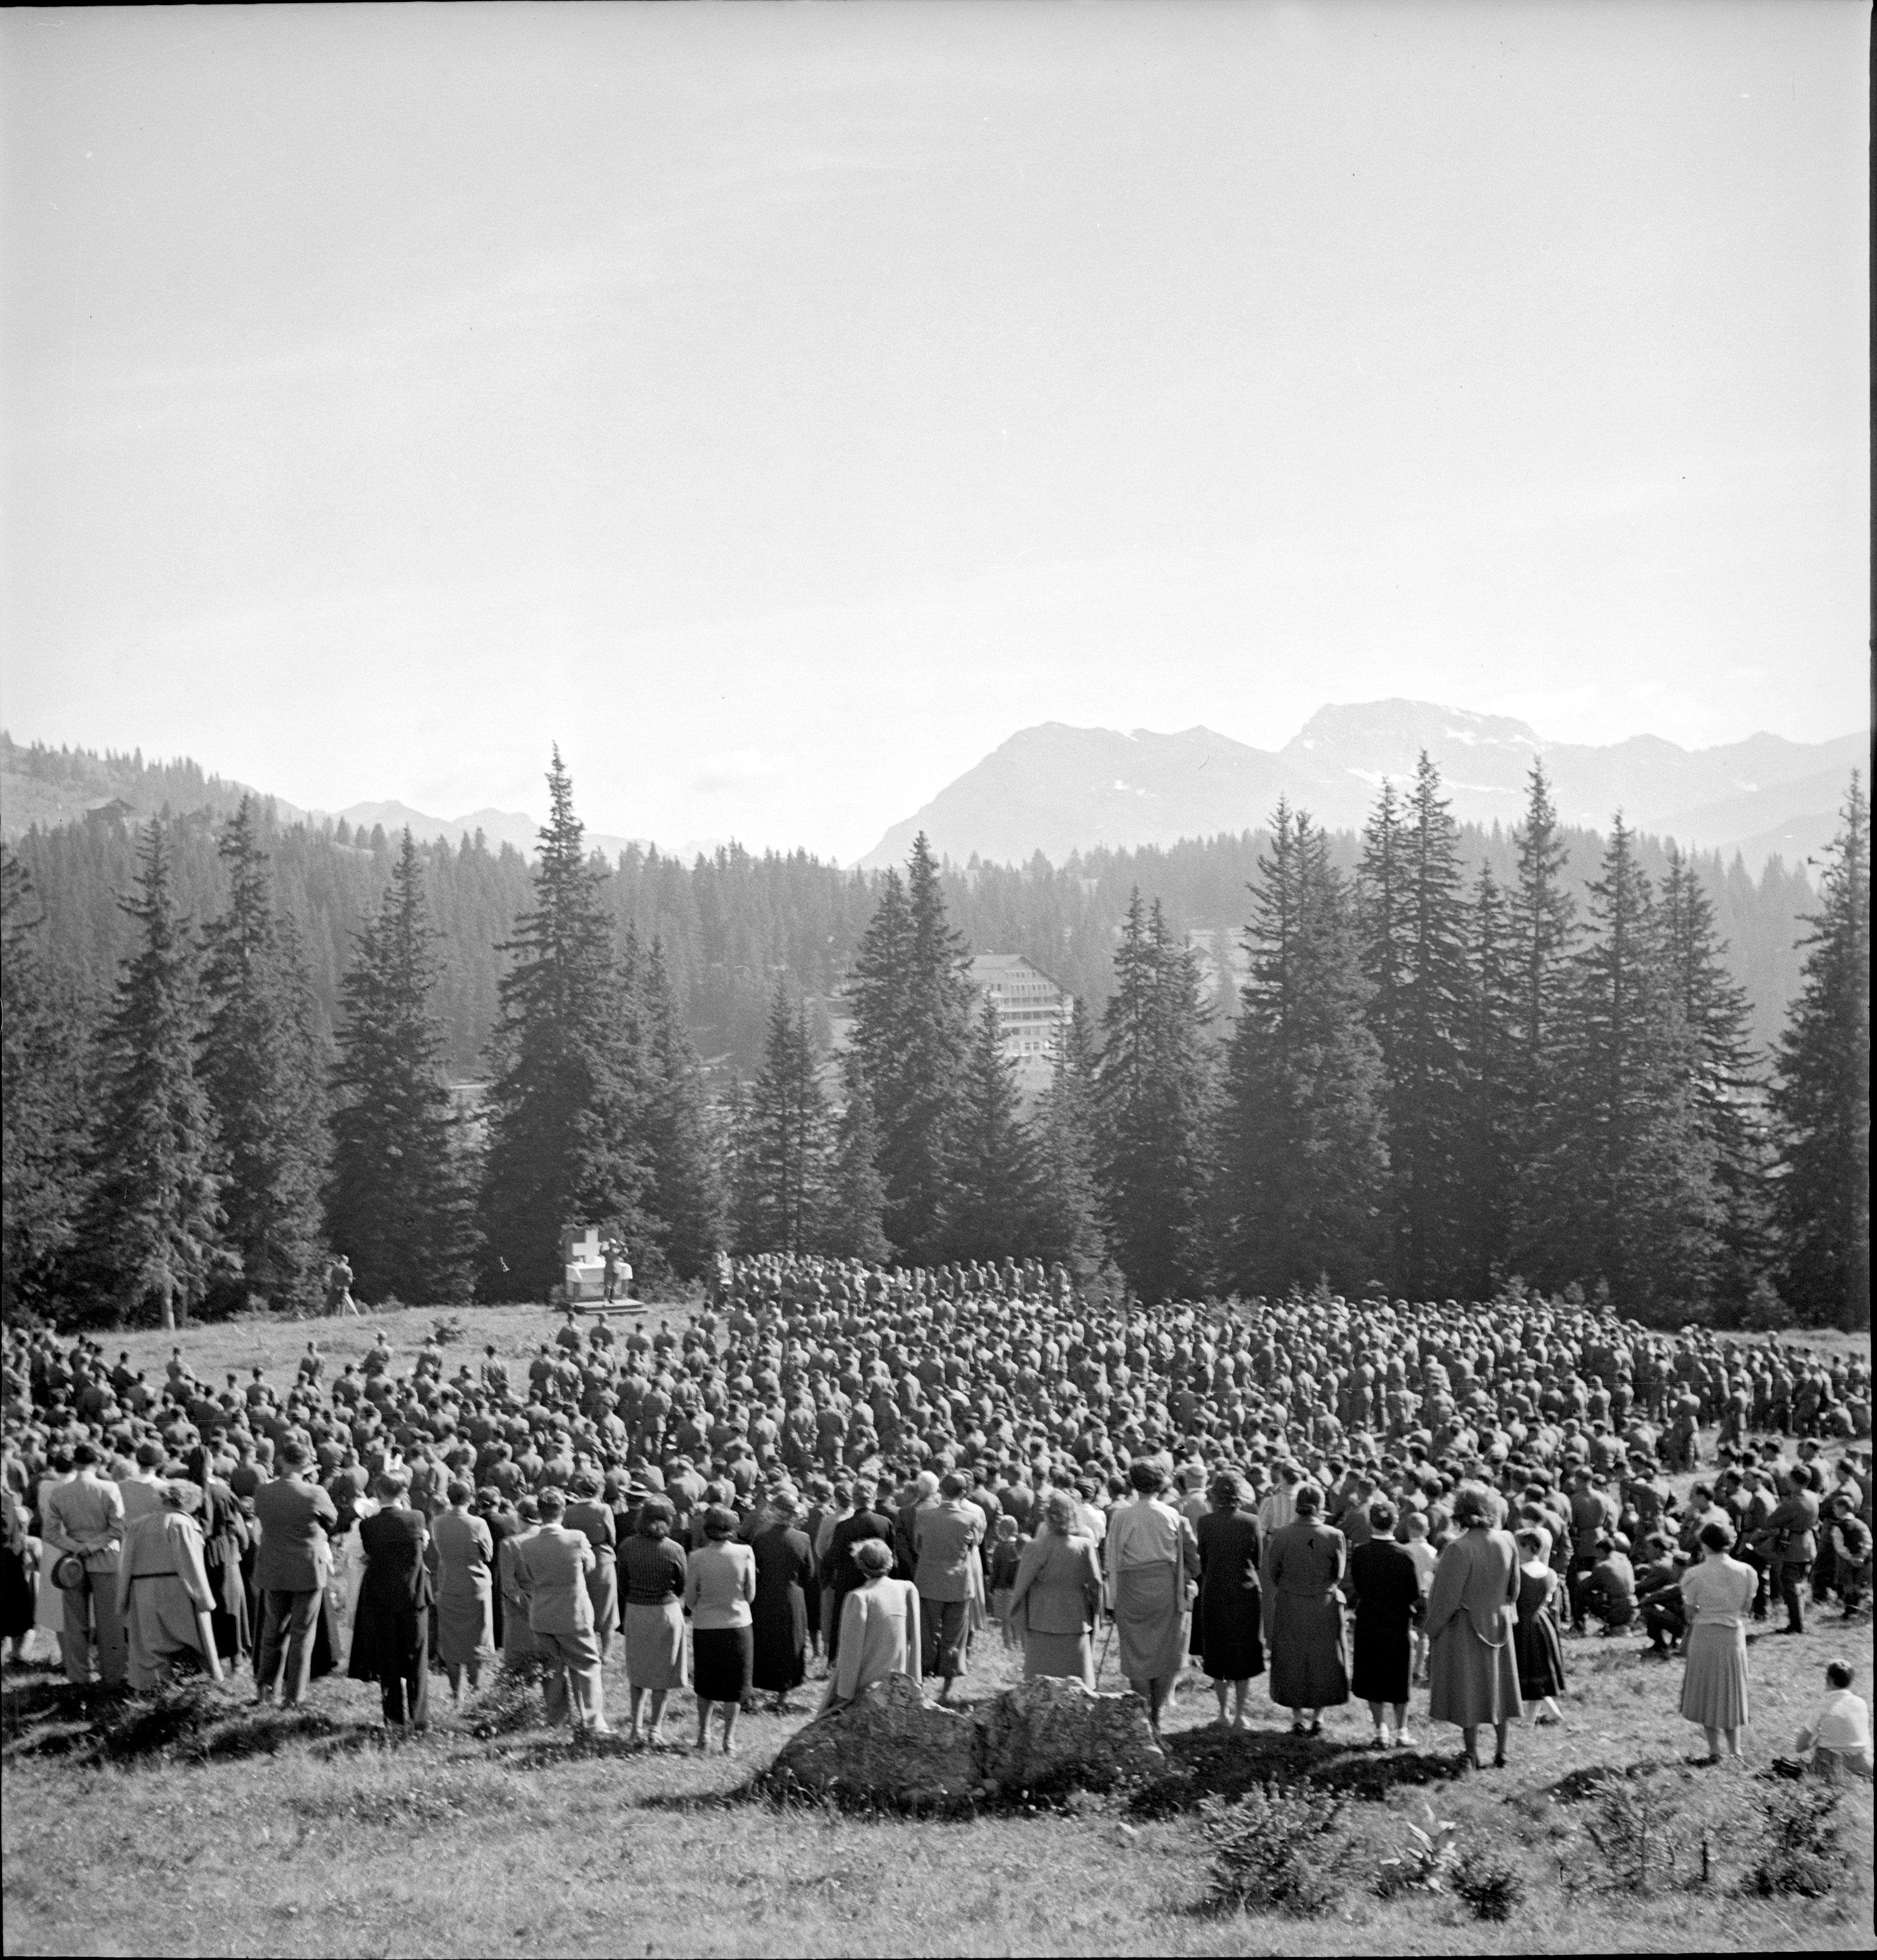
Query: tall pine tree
(687, 1201)
(566, 1144)
(1821, 1097)
(41, 1087)
(1491, 1118)
(1544, 929)
(149, 1240)
(854, 1228)
(1069, 1230)
(263, 1068)
(912, 1000)
(1152, 1095)
(398, 1190)
(1637, 1208)
(1416, 944)
(1728, 1089)
(1303, 1167)
(992, 1207)
(783, 1155)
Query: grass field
(340, 1844)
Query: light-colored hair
(873, 1556)
(1059, 1513)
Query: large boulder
(1051, 1734)
(889, 1744)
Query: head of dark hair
(550, 1502)
(1715, 1537)
(1381, 1515)
(457, 1492)
(1147, 1477)
(720, 1523)
(1839, 1674)
(389, 1485)
(1309, 1500)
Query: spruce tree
(1821, 1097)
(1303, 1168)
(566, 1141)
(782, 1197)
(1068, 1230)
(1729, 1089)
(262, 1066)
(911, 1000)
(1544, 932)
(1638, 1200)
(1491, 1118)
(685, 1201)
(1415, 942)
(149, 1240)
(397, 1193)
(1152, 1094)
(996, 1186)
(853, 1228)
(41, 1088)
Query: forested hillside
(732, 923)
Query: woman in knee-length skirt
(652, 1572)
(1716, 1596)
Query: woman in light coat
(1472, 1611)
(1056, 1596)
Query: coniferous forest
(1449, 1062)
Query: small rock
(889, 1743)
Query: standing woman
(719, 1583)
(1472, 1611)
(587, 1515)
(1231, 1599)
(785, 1577)
(391, 1627)
(1304, 1563)
(1153, 1557)
(653, 1564)
(1716, 1595)
(1535, 1639)
(1387, 1589)
(463, 1549)
(225, 1535)
(1057, 1594)
(19, 1582)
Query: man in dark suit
(843, 1575)
(290, 1572)
(1790, 1536)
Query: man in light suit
(290, 1572)
(946, 1536)
(86, 1517)
(551, 1566)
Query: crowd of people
(879, 1469)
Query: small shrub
(1802, 1851)
(1491, 1885)
(1425, 1861)
(514, 1702)
(447, 1329)
(1636, 1825)
(1269, 1850)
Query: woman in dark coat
(1386, 1584)
(785, 1571)
(225, 1535)
(1231, 1602)
(587, 1514)
(391, 1623)
(1304, 1563)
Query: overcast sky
(781, 406)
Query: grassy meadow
(325, 1839)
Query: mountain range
(50, 786)
(1059, 790)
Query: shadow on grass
(192, 1722)
(1227, 1763)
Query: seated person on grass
(1609, 1594)
(1837, 1738)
